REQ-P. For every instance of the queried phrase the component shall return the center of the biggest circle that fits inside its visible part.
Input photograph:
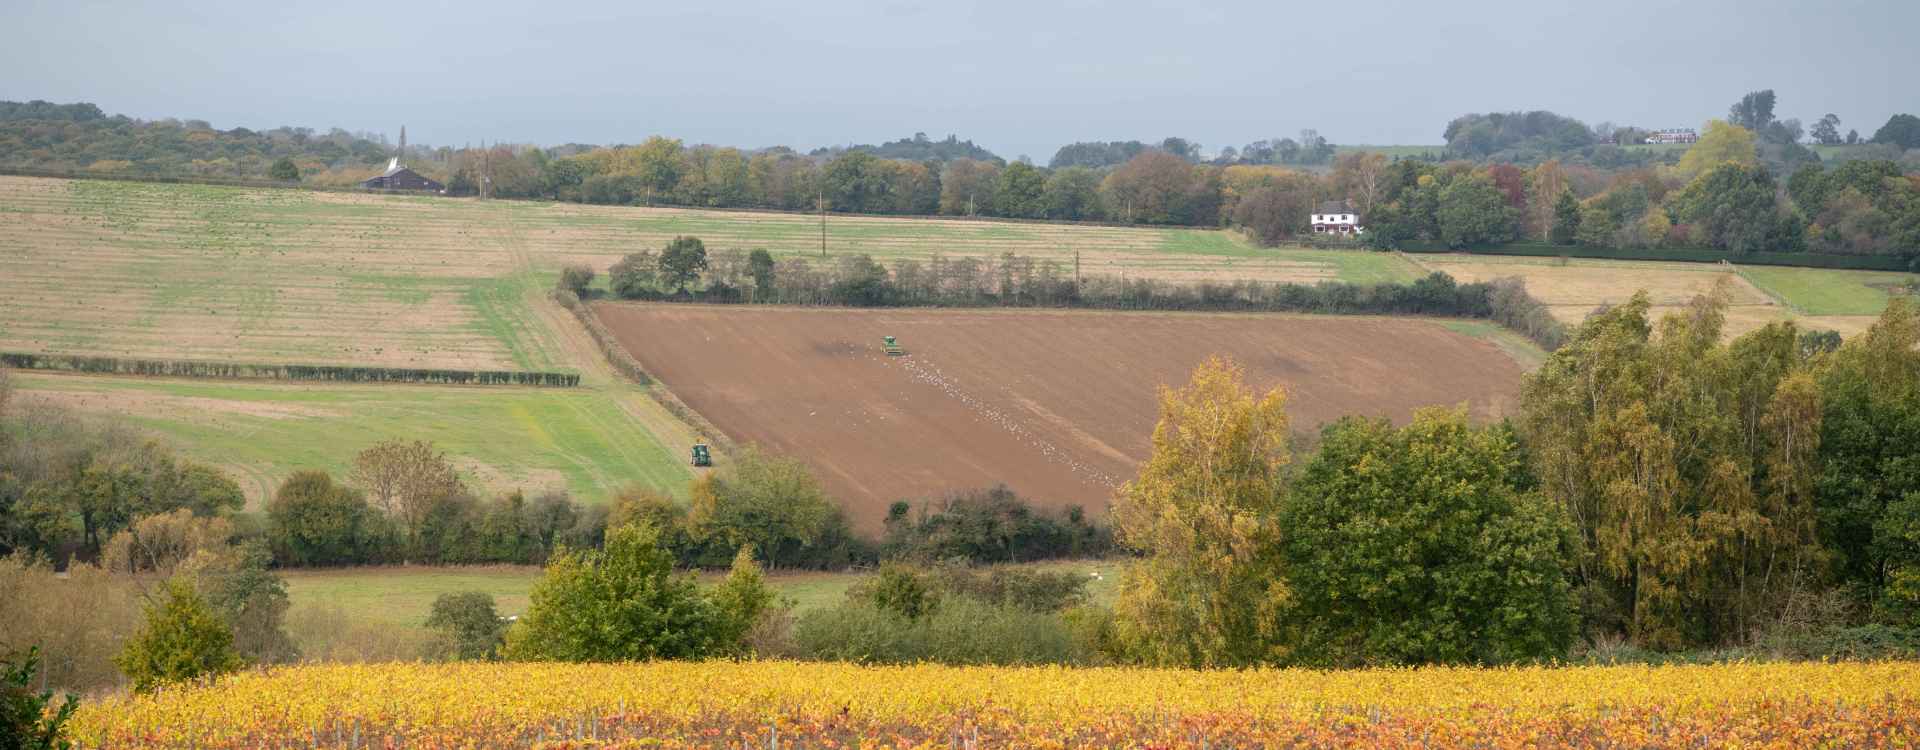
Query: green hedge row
(180, 368)
(1689, 255)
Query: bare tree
(1360, 177)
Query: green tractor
(892, 347)
(701, 455)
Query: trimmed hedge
(181, 368)
(1686, 255)
(616, 354)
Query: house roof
(1334, 207)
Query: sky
(1020, 77)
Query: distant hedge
(181, 368)
(1544, 250)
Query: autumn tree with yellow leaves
(1203, 512)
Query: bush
(183, 640)
(576, 277)
(990, 526)
(771, 504)
(623, 603)
(78, 619)
(30, 721)
(962, 630)
(1022, 588)
(254, 602)
(468, 623)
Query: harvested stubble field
(1059, 405)
(263, 275)
(1818, 298)
(771, 704)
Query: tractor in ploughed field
(892, 347)
(701, 455)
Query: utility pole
(821, 199)
(1076, 272)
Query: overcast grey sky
(1017, 76)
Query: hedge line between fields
(1686, 255)
(181, 368)
(624, 363)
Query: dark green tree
(29, 720)
(1473, 211)
(1424, 544)
(254, 602)
(1021, 192)
(284, 169)
(760, 266)
(576, 277)
(1566, 219)
(1754, 111)
(469, 623)
(682, 261)
(1901, 130)
(1868, 492)
(183, 639)
(1731, 207)
(312, 521)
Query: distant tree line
(684, 271)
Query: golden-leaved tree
(1686, 464)
(1204, 513)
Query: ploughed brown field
(1058, 405)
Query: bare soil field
(1058, 405)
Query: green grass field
(1819, 291)
(581, 439)
(402, 596)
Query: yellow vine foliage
(788, 704)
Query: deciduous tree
(1204, 513)
(1424, 544)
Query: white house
(1335, 217)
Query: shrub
(79, 619)
(623, 603)
(742, 601)
(253, 601)
(469, 624)
(183, 639)
(989, 526)
(770, 503)
(576, 277)
(30, 721)
(1022, 588)
(962, 630)
(897, 589)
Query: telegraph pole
(821, 199)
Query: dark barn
(399, 177)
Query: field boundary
(1687, 255)
(249, 182)
(624, 363)
(202, 369)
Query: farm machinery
(891, 347)
(702, 456)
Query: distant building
(1334, 217)
(1676, 135)
(399, 177)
